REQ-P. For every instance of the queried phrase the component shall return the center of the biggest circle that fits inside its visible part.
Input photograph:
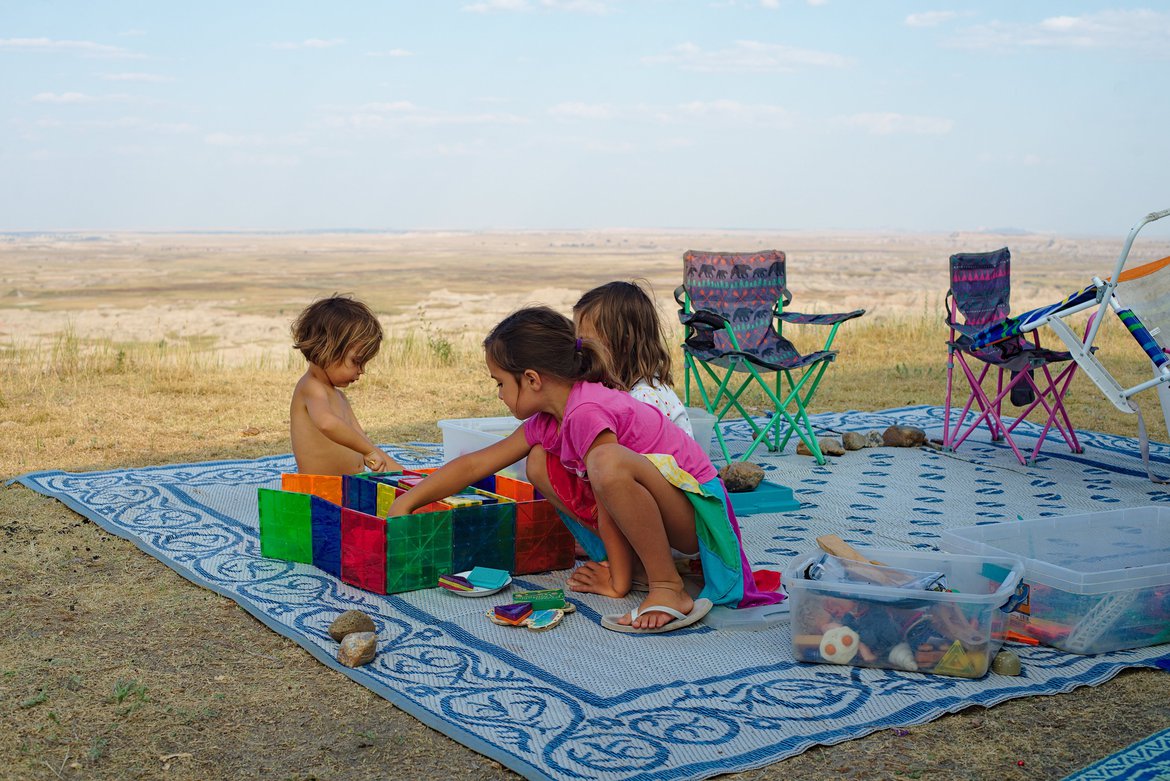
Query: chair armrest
(830, 319)
(970, 331)
(704, 319)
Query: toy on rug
(338, 524)
(526, 615)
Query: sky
(583, 114)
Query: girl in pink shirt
(654, 486)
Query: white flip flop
(681, 620)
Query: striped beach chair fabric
(733, 309)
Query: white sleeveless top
(667, 402)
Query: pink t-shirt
(593, 408)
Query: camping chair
(1140, 297)
(732, 308)
(979, 293)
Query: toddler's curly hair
(330, 327)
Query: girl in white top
(667, 401)
(623, 317)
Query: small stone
(250, 431)
(903, 436)
(874, 439)
(351, 621)
(1006, 663)
(853, 440)
(829, 447)
(358, 648)
(741, 476)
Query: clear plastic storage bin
(464, 435)
(1098, 581)
(955, 632)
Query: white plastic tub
(955, 632)
(1098, 581)
(703, 426)
(465, 435)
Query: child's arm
(339, 430)
(462, 472)
(377, 460)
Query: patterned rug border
(1135, 762)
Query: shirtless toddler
(337, 336)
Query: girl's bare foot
(664, 594)
(593, 577)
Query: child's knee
(608, 468)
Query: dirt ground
(114, 667)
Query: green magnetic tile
(286, 525)
(418, 550)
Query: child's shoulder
(310, 385)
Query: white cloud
(1136, 30)
(148, 78)
(251, 140)
(929, 18)
(609, 147)
(514, 6)
(78, 98)
(55, 46)
(309, 43)
(379, 116)
(64, 97)
(578, 110)
(736, 113)
(889, 123)
(490, 6)
(747, 56)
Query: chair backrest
(744, 287)
(1146, 290)
(981, 285)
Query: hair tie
(577, 347)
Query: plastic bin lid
(1089, 553)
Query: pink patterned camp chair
(1022, 369)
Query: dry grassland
(130, 350)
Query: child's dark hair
(544, 340)
(330, 327)
(624, 316)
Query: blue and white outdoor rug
(1146, 760)
(582, 702)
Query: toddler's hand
(377, 461)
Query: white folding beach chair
(1140, 297)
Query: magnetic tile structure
(339, 525)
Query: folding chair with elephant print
(979, 294)
(732, 307)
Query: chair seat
(775, 361)
(1015, 354)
